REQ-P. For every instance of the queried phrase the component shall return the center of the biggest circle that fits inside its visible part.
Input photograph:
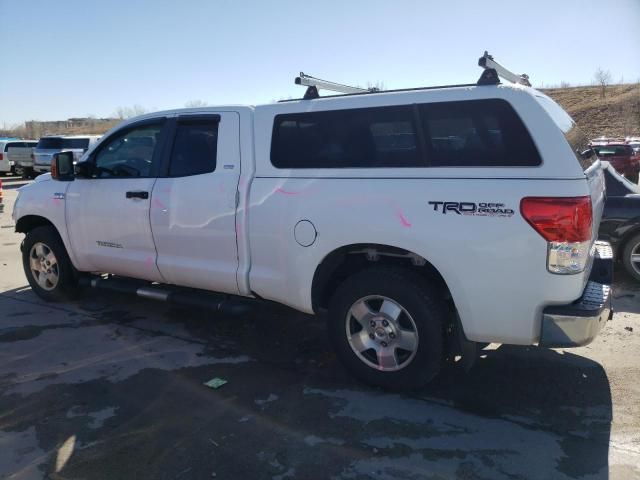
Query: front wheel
(47, 266)
(386, 325)
(631, 256)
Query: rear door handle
(143, 195)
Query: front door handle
(143, 195)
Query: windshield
(613, 150)
(575, 137)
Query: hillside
(616, 115)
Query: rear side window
(194, 148)
(477, 133)
(50, 143)
(76, 143)
(355, 138)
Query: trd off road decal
(482, 209)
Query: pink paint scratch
(403, 220)
(157, 203)
(55, 201)
(166, 190)
(149, 262)
(286, 192)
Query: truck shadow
(626, 292)
(521, 412)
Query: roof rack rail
(492, 74)
(493, 70)
(316, 84)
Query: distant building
(36, 129)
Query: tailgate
(19, 154)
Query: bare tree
(127, 112)
(196, 104)
(602, 78)
(564, 84)
(377, 85)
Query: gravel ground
(111, 387)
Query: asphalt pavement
(112, 387)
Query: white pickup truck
(420, 222)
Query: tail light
(0, 191)
(566, 224)
(1, 157)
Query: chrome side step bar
(226, 304)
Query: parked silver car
(49, 145)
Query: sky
(72, 58)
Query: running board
(226, 304)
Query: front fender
(45, 199)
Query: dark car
(621, 157)
(621, 219)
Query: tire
(420, 321)
(55, 281)
(631, 251)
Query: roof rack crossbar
(316, 84)
(488, 63)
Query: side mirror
(62, 166)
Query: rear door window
(354, 138)
(194, 148)
(477, 133)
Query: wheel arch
(29, 222)
(350, 259)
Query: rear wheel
(631, 256)
(47, 266)
(386, 325)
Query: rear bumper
(578, 323)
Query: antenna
(493, 70)
(316, 84)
